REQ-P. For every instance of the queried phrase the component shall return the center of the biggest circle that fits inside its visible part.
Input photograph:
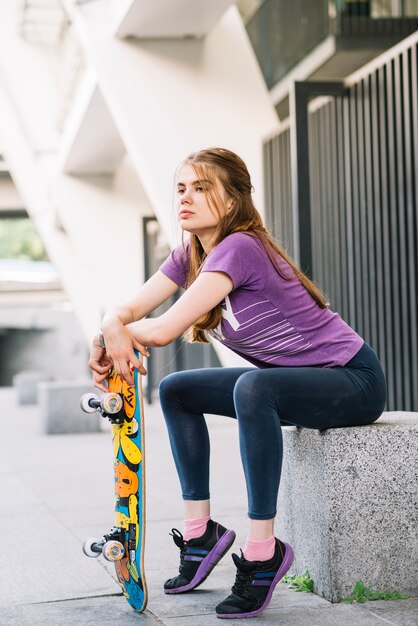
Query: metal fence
(363, 173)
(278, 189)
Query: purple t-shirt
(267, 319)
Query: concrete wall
(44, 338)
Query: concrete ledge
(26, 384)
(59, 405)
(348, 504)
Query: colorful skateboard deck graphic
(124, 543)
(128, 450)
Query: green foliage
(299, 582)
(19, 239)
(361, 593)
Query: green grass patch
(299, 582)
(361, 594)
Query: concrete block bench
(26, 384)
(348, 504)
(59, 405)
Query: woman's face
(195, 214)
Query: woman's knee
(251, 389)
(182, 386)
(169, 387)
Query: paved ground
(56, 490)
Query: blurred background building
(99, 101)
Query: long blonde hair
(232, 172)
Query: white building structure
(99, 101)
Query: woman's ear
(230, 205)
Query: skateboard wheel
(85, 400)
(111, 403)
(88, 545)
(113, 550)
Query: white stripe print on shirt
(252, 336)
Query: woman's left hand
(120, 348)
(99, 363)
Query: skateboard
(124, 543)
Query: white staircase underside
(92, 143)
(159, 19)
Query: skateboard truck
(110, 405)
(111, 545)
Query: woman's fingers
(142, 370)
(135, 361)
(101, 387)
(99, 361)
(142, 349)
(122, 368)
(138, 363)
(103, 359)
(125, 372)
(100, 369)
(120, 354)
(98, 382)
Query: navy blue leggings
(262, 401)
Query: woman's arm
(117, 337)
(202, 296)
(149, 297)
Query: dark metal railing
(363, 173)
(360, 26)
(278, 189)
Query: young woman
(311, 369)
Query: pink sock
(260, 550)
(194, 527)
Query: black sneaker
(199, 556)
(255, 582)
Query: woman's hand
(120, 346)
(99, 363)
